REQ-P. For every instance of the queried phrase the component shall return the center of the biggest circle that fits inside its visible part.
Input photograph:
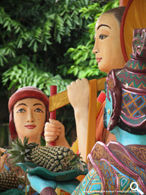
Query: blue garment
(118, 132)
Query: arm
(78, 94)
(2, 159)
(55, 131)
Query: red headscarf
(22, 93)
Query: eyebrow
(103, 25)
(21, 104)
(37, 104)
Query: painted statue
(108, 53)
(114, 167)
(30, 106)
(119, 166)
(78, 91)
(112, 172)
(114, 23)
(29, 117)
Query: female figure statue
(108, 53)
(119, 166)
(29, 117)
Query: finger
(50, 133)
(78, 81)
(55, 122)
(82, 82)
(50, 139)
(52, 129)
(72, 83)
(51, 126)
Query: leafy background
(47, 42)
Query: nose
(95, 51)
(30, 117)
(95, 48)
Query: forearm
(81, 116)
(78, 94)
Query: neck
(32, 139)
(127, 138)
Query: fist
(78, 93)
(54, 131)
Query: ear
(12, 128)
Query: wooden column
(123, 2)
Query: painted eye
(21, 110)
(102, 36)
(38, 110)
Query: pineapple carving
(9, 180)
(56, 158)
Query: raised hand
(78, 94)
(55, 131)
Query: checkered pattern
(133, 105)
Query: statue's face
(29, 118)
(107, 47)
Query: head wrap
(22, 93)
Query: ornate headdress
(128, 89)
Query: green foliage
(84, 63)
(49, 38)
(29, 75)
(41, 33)
(48, 42)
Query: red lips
(30, 126)
(98, 59)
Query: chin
(103, 68)
(29, 135)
